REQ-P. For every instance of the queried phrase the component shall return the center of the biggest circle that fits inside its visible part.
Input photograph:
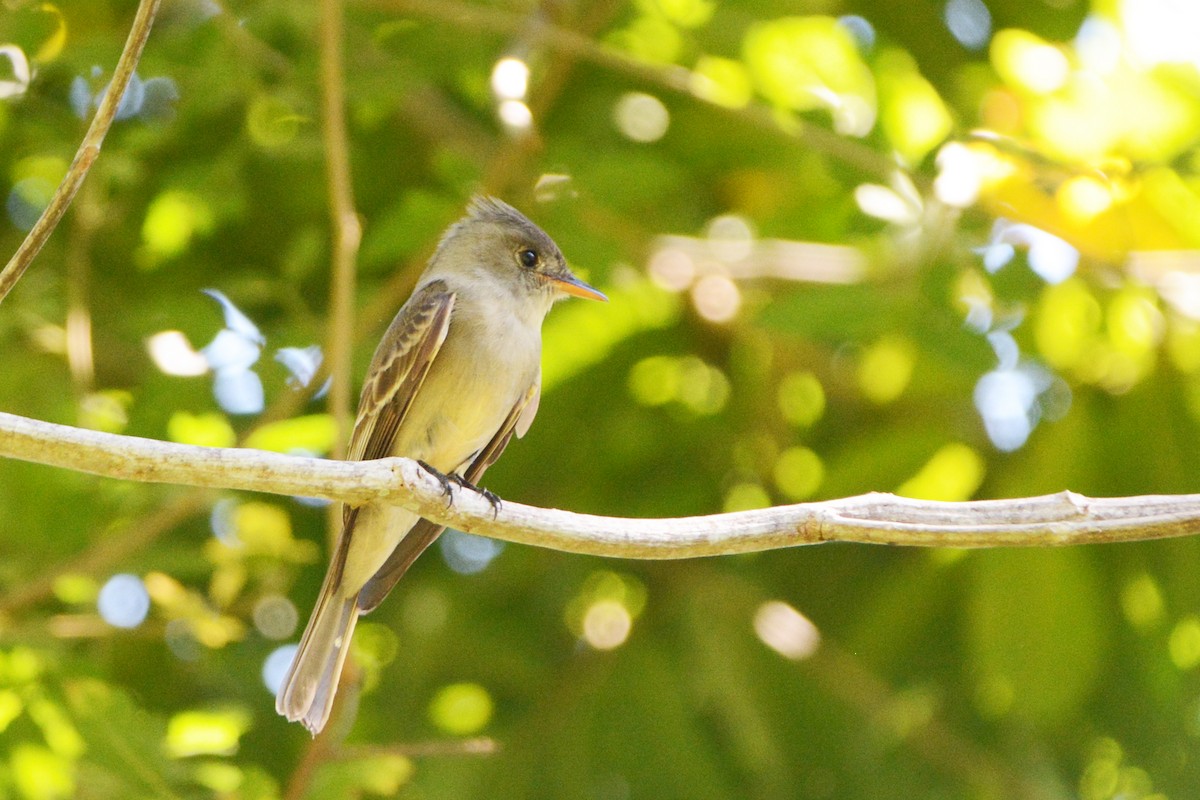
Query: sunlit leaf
(313, 434)
(41, 774)
(804, 63)
(192, 733)
(912, 114)
(953, 473)
(206, 430)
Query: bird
(456, 375)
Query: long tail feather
(308, 689)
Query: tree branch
(347, 232)
(89, 150)
(1059, 519)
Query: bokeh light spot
(1136, 325)
(173, 219)
(275, 616)
(1028, 62)
(695, 385)
(672, 269)
(798, 473)
(650, 38)
(860, 29)
(801, 398)
(1082, 198)
(1007, 399)
(606, 624)
(641, 117)
(173, 354)
(685, 13)
(602, 612)
(467, 554)
(510, 78)
(461, 709)
(311, 434)
(1184, 644)
(1161, 31)
(1098, 45)
(27, 199)
(272, 122)
(375, 645)
(886, 204)
(786, 631)
(716, 298)
(746, 497)
(123, 601)
(14, 80)
(1142, 602)
(886, 368)
(515, 115)
(969, 21)
(731, 237)
(276, 665)
(654, 381)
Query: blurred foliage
(946, 249)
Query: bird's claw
(492, 499)
(445, 480)
(442, 479)
(488, 495)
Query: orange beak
(573, 286)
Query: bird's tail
(308, 689)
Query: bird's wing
(425, 533)
(401, 363)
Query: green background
(750, 381)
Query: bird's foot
(443, 479)
(488, 495)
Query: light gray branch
(1051, 520)
(88, 152)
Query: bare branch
(347, 231)
(1051, 520)
(88, 151)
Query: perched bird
(456, 375)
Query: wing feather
(397, 371)
(425, 533)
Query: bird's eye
(528, 258)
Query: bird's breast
(482, 369)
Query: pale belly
(455, 414)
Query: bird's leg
(487, 494)
(442, 479)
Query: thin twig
(88, 151)
(1051, 520)
(347, 231)
(347, 234)
(479, 746)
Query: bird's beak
(568, 283)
